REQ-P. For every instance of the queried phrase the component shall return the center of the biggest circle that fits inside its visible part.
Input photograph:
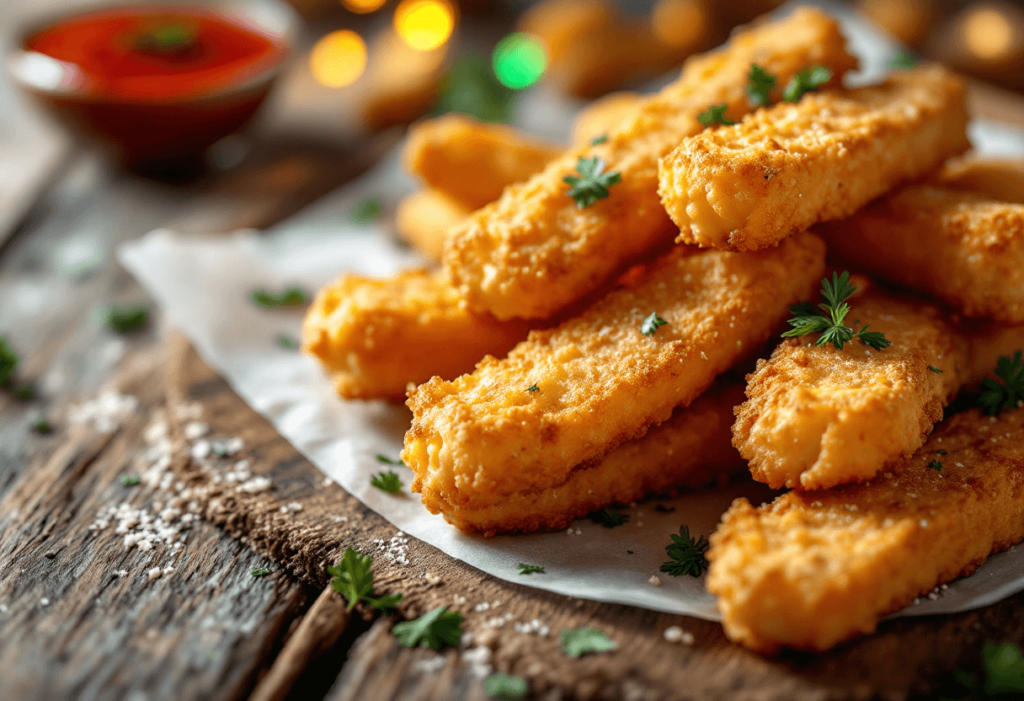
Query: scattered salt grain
(654, 580)
(194, 430)
(104, 413)
(478, 659)
(431, 665)
(154, 573)
(44, 601)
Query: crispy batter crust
(780, 170)
(534, 251)
(815, 568)
(424, 219)
(689, 451)
(375, 337)
(1000, 178)
(603, 115)
(484, 436)
(817, 416)
(963, 247)
(470, 161)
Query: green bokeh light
(519, 60)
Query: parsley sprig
(8, 362)
(609, 518)
(388, 461)
(435, 629)
(759, 86)
(598, 140)
(387, 482)
(530, 569)
(806, 80)
(291, 297)
(687, 554)
(828, 318)
(353, 580)
(651, 324)
(125, 318)
(935, 465)
(1003, 678)
(259, 572)
(506, 686)
(996, 396)
(714, 115)
(578, 642)
(592, 183)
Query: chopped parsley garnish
(435, 629)
(533, 388)
(291, 297)
(902, 61)
(609, 518)
(940, 452)
(23, 392)
(259, 571)
(651, 324)
(507, 687)
(219, 448)
(287, 342)
(125, 318)
(935, 369)
(387, 482)
(806, 80)
(388, 461)
(353, 580)
(996, 396)
(8, 362)
(714, 115)
(578, 642)
(1003, 671)
(827, 318)
(687, 554)
(598, 140)
(367, 211)
(129, 480)
(42, 426)
(759, 86)
(530, 569)
(935, 465)
(592, 183)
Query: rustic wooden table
(82, 618)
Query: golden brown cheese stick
(988, 341)
(534, 251)
(376, 336)
(471, 161)
(748, 186)
(960, 246)
(813, 569)
(817, 416)
(570, 394)
(691, 450)
(424, 219)
(603, 115)
(1000, 178)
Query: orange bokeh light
(425, 24)
(338, 59)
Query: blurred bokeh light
(988, 32)
(338, 59)
(425, 24)
(679, 22)
(519, 60)
(363, 6)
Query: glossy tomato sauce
(120, 54)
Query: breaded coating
(570, 394)
(1000, 178)
(375, 337)
(534, 251)
(780, 170)
(960, 246)
(603, 115)
(813, 569)
(989, 340)
(817, 416)
(691, 450)
(471, 161)
(424, 219)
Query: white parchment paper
(203, 286)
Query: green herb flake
(367, 211)
(687, 555)
(935, 465)
(287, 342)
(259, 571)
(387, 482)
(714, 115)
(805, 81)
(995, 395)
(1003, 671)
(934, 369)
(293, 296)
(384, 459)
(8, 362)
(530, 569)
(609, 518)
(902, 61)
(533, 388)
(828, 318)
(352, 578)
(42, 426)
(506, 687)
(598, 140)
(435, 630)
(651, 324)
(129, 480)
(759, 86)
(940, 452)
(125, 318)
(592, 183)
(24, 392)
(579, 642)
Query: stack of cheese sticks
(575, 352)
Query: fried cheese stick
(748, 186)
(817, 416)
(813, 569)
(568, 395)
(376, 336)
(603, 115)
(424, 219)
(534, 250)
(471, 161)
(961, 246)
(1000, 178)
(691, 451)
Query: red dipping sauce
(110, 49)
